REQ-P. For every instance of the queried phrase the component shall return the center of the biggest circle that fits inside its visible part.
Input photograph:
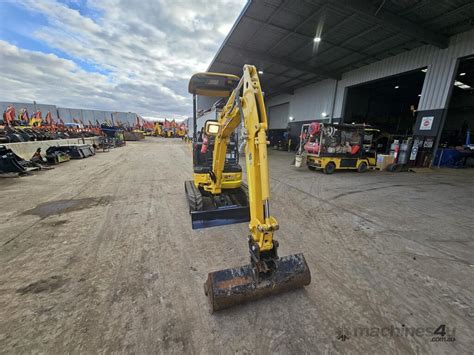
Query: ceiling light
(397, 87)
(462, 74)
(317, 39)
(324, 114)
(424, 70)
(291, 118)
(419, 95)
(260, 72)
(461, 85)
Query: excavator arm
(267, 274)
(248, 107)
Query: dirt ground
(98, 255)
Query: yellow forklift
(331, 146)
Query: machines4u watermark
(441, 333)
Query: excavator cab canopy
(212, 84)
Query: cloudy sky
(119, 55)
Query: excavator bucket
(231, 287)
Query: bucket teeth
(230, 287)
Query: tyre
(362, 167)
(329, 168)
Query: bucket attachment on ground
(230, 287)
(75, 151)
(208, 210)
(10, 162)
(57, 157)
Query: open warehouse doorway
(455, 149)
(388, 104)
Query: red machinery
(24, 117)
(9, 115)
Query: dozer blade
(205, 213)
(231, 287)
(220, 216)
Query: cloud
(139, 54)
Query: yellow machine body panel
(158, 130)
(322, 162)
(372, 161)
(25, 127)
(229, 180)
(35, 122)
(252, 107)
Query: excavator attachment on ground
(231, 287)
(267, 274)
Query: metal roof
(278, 36)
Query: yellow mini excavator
(267, 274)
(216, 196)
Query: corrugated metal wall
(440, 75)
(87, 116)
(278, 116)
(67, 114)
(441, 65)
(131, 117)
(101, 116)
(309, 102)
(30, 107)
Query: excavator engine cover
(230, 287)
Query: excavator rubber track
(231, 287)
(209, 211)
(194, 196)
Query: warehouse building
(69, 114)
(405, 67)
